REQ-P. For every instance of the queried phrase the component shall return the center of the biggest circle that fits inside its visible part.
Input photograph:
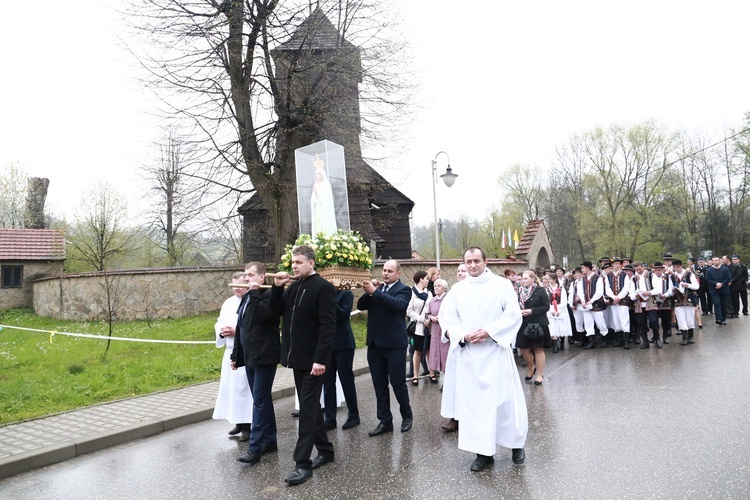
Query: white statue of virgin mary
(321, 202)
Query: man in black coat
(738, 286)
(386, 344)
(307, 332)
(342, 361)
(258, 350)
(703, 292)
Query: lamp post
(448, 178)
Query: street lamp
(448, 178)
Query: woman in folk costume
(558, 315)
(534, 303)
(234, 401)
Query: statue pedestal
(345, 278)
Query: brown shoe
(449, 425)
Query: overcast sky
(501, 83)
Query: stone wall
(178, 292)
(32, 270)
(136, 294)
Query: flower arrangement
(340, 249)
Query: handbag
(411, 327)
(533, 332)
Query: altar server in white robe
(234, 401)
(483, 317)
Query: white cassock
(485, 395)
(234, 401)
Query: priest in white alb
(482, 317)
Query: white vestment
(485, 395)
(234, 401)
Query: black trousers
(665, 315)
(736, 296)
(705, 299)
(341, 363)
(640, 325)
(387, 365)
(312, 432)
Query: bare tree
(177, 215)
(525, 190)
(109, 303)
(99, 234)
(211, 62)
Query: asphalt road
(607, 423)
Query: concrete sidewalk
(37, 443)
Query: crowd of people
(467, 333)
(620, 303)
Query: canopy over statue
(322, 199)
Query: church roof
(32, 244)
(316, 33)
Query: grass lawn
(39, 377)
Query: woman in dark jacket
(534, 302)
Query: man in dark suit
(258, 350)
(342, 361)
(386, 344)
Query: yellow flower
(328, 256)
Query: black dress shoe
(269, 448)
(249, 458)
(645, 345)
(298, 476)
(519, 456)
(321, 460)
(381, 429)
(330, 425)
(406, 424)
(244, 437)
(481, 463)
(235, 431)
(352, 422)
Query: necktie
(385, 288)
